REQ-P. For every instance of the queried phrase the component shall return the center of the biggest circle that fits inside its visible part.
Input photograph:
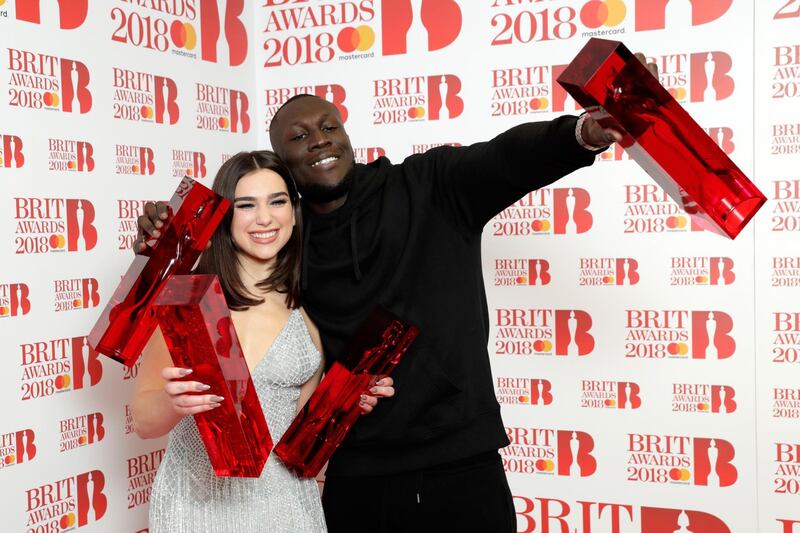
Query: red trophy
(620, 93)
(199, 332)
(128, 321)
(325, 419)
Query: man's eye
(329, 128)
(299, 136)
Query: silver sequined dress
(188, 497)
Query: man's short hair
(287, 102)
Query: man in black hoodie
(408, 237)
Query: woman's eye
(278, 203)
(244, 206)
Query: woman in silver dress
(256, 253)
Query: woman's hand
(183, 395)
(384, 388)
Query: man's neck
(327, 207)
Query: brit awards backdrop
(647, 370)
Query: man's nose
(318, 138)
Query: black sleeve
(474, 183)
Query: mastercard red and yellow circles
(522, 280)
(360, 38)
(679, 474)
(545, 465)
(676, 222)
(701, 279)
(416, 112)
(72, 165)
(610, 403)
(57, 241)
(4, 310)
(607, 13)
(51, 99)
(82, 439)
(678, 93)
(542, 346)
(540, 225)
(538, 104)
(224, 123)
(63, 381)
(67, 521)
(608, 280)
(678, 348)
(183, 35)
(147, 111)
(76, 304)
(702, 406)
(524, 399)
(9, 459)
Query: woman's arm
(159, 400)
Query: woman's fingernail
(374, 390)
(215, 405)
(185, 371)
(203, 386)
(217, 399)
(363, 398)
(156, 233)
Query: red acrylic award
(128, 321)
(199, 333)
(620, 93)
(325, 419)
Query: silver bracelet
(579, 137)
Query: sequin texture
(187, 497)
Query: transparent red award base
(325, 419)
(199, 332)
(127, 322)
(619, 92)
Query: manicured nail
(159, 223)
(363, 398)
(156, 233)
(217, 399)
(185, 371)
(203, 386)
(215, 405)
(374, 390)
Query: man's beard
(323, 194)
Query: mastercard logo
(521, 280)
(183, 35)
(76, 304)
(67, 521)
(676, 222)
(610, 403)
(147, 111)
(82, 439)
(360, 38)
(702, 406)
(223, 122)
(541, 346)
(539, 104)
(9, 459)
(678, 93)
(678, 348)
(679, 474)
(51, 99)
(63, 381)
(4, 310)
(603, 13)
(524, 399)
(416, 112)
(701, 279)
(608, 280)
(545, 465)
(57, 242)
(540, 225)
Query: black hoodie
(409, 238)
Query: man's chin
(318, 193)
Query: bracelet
(579, 137)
